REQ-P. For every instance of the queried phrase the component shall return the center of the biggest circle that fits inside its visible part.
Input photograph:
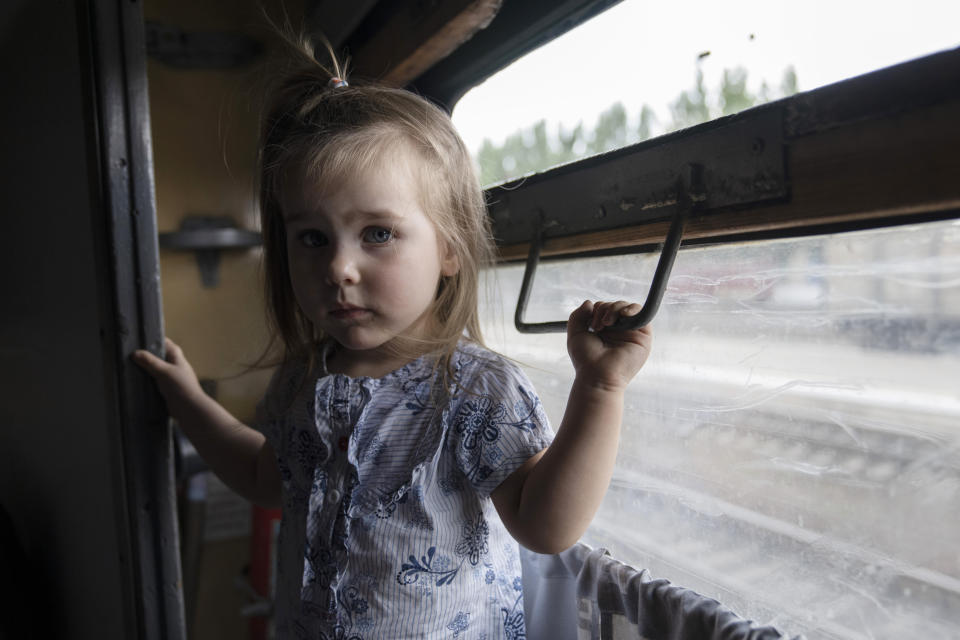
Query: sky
(645, 52)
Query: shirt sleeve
(496, 423)
(264, 419)
(274, 407)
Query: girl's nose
(343, 267)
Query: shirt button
(333, 497)
(342, 443)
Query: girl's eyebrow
(377, 214)
(362, 214)
(292, 217)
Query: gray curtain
(584, 593)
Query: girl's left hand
(606, 357)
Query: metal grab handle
(688, 197)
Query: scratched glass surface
(792, 447)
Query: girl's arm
(239, 455)
(548, 502)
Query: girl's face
(365, 260)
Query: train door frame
(85, 449)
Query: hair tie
(336, 83)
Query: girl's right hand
(605, 356)
(175, 378)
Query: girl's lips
(348, 313)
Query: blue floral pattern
(459, 623)
(414, 569)
(513, 626)
(386, 495)
(478, 420)
(481, 422)
(473, 544)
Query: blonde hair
(328, 132)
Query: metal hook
(689, 194)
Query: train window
(791, 448)
(642, 69)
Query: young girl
(403, 453)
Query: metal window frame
(874, 150)
(121, 160)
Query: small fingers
(153, 363)
(606, 314)
(580, 319)
(174, 352)
(148, 361)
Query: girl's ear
(449, 263)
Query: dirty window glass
(792, 447)
(641, 69)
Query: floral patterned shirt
(388, 530)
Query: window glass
(641, 69)
(792, 447)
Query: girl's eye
(378, 235)
(313, 239)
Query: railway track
(822, 511)
(770, 569)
